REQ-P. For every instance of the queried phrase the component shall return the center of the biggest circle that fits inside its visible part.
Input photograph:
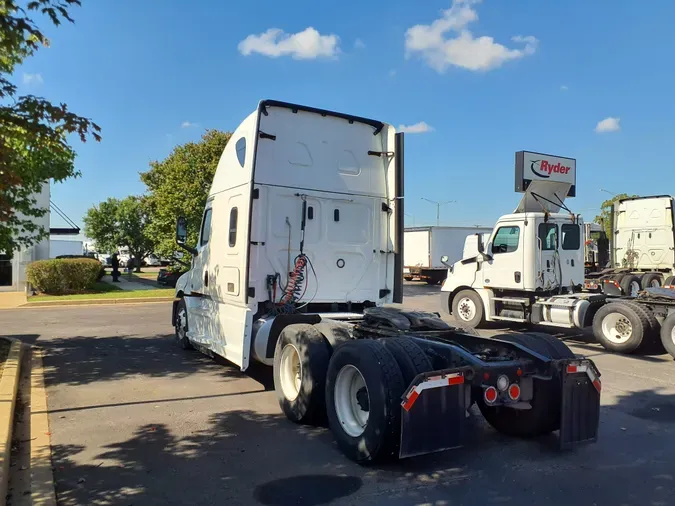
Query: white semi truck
(424, 247)
(300, 248)
(641, 247)
(531, 269)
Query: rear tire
(379, 387)
(654, 326)
(467, 308)
(408, 278)
(300, 361)
(556, 348)
(410, 358)
(544, 416)
(619, 327)
(668, 334)
(651, 280)
(630, 285)
(181, 326)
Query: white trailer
(301, 246)
(531, 269)
(60, 247)
(424, 247)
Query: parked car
(152, 261)
(168, 277)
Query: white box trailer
(59, 247)
(424, 247)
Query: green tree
(115, 224)
(33, 132)
(605, 216)
(179, 186)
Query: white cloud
(417, 128)
(448, 42)
(564, 88)
(305, 45)
(359, 44)
(32, 79)
(608, 125)
(188, 124)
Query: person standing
(115, 262)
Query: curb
(8, 388)
(41, 472)
(90, 302)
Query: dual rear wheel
(356, 388)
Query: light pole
(607, 191)
(438, 208)
(413, 218)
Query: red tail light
(490, 395)
(514, 392)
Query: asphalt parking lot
(135, 420)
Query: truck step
(561, 325)
(509, 319)
(517, 300)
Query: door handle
(206, 278)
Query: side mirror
(181, 230)
(445, 260)
(481, 246)
(182, 235)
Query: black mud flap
(433, 413)
(580, 413)
(611, 287)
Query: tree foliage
(605, 216)
(33, 132)
(116, 224)
(179, 186)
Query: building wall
(39, 251)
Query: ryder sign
(532, 166)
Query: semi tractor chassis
(396, 384)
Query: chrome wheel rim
(290, 372)
(466, 309)
(634, 288)
(352, 401)
(181, 324)
(617, 328)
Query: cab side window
(571, 236)
(232, 237)
(506, 240)
(206, 228)
(548, 235)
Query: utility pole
(438, 207)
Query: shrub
(64, 276)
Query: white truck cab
(531, 267)
(301, 218)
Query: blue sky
(588, 80)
